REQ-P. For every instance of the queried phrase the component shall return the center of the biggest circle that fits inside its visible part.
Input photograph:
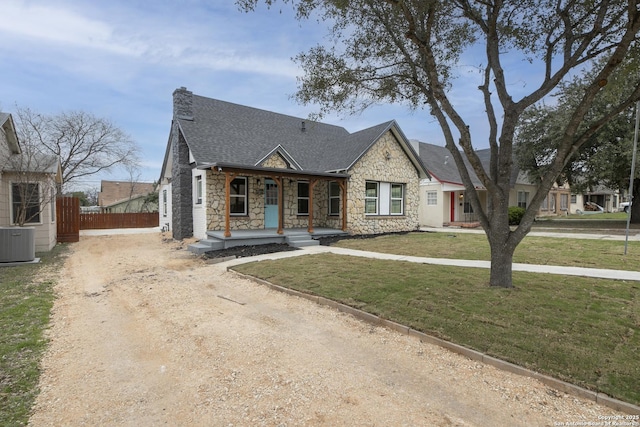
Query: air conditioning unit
(17, 244)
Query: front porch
(296, 237)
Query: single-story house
(442, 195)
(600, 195)
(126, 196)
(231, 170)
(28, 186)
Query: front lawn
(26, 298)
(532, 250)
(584, 331)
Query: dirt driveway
(145, 334)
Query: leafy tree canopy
(409, 51)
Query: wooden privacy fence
(93, 221)
(68, 219)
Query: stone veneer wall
(374, 166)
(181, 186)
(255, 218)
(275, 161)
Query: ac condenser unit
(17, 244)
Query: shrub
(515, 215)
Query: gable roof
(441, 165)
(219, 132)
(9, 128)
(112, 192)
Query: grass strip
(26, 298)
(533, 250)
(580, 330)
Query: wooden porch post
(343, 188)
(312, 184)
(229, 176)
(279, 181)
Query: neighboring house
(126, 197)
(230, 167)
(602, 196)
(442, 197)
(28, 184)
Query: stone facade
(384, 162)
(275, 161)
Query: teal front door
(270, 204)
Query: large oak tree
(408, 51)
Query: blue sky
(122, 60)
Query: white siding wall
(165, 215)
(431, 215)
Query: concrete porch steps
(206, 245)
(301, 240)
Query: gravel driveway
(145, 334)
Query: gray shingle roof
(440, 164)
(223, 132)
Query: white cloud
(158, 40)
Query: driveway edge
(372, 319)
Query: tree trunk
(501, 264)
(502, 243)
(635, 204)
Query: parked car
(624, 206)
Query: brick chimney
(182, 104)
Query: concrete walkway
(533, 268)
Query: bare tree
(34, 179)
(84, 143)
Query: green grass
(621, 216)
(26, 299)
(584, 331)
(532, 250)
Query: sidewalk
(561, 233)
(532, 268)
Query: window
(397, 199)
(303, 198)
(467, 208)
(238, 201)
(164, 203)
(564, 199)
(26, 203)
(523, 199)
(574, 198)
(384, 198)
(334, 198)
(371, 198)
(432, 198)
(545, 204)
(53, 205)
(199, 190)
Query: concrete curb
(372, 319)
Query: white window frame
(368, 198)
(198, 190)
(384, 198)
(299, 198)
(525, 195)
(334, 184)
(164, 203)
(396, 199)
(432, 198)
(240, 196)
